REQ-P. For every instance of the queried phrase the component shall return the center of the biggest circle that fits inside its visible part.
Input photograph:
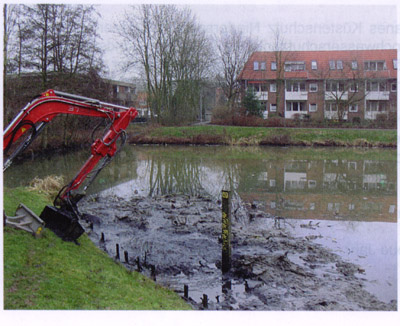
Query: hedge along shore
(245, 136)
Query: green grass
(48, 273)
(238, 135)
(235, 153)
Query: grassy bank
(47, 273)
(231, 135)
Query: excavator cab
(63, 217)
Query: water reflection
(298, 183)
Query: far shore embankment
(247, 136)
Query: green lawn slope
(48, 273)
(234, 135)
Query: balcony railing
(377, 96)
(334, 96)
(261, 96)
(296, 96)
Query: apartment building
(351, 85)
(122, 93)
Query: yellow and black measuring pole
(226, 231)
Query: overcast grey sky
(304, 26)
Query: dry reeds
(50, 185)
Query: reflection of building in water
(327, 189)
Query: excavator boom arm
(44, 109)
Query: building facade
(353, 85)
(122, 93)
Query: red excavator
(63, 217)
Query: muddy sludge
(177, 241)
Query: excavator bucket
(62, 222)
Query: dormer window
(295, 66)
(314, 65)
(375, 65)
(256, 65)
(354, 65)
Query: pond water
(349, 194)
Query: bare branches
(173, 53)
(233, 50)
(55, 37)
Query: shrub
(221, 113)
(251, 103)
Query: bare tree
(344, 87)
(167, 44)
(57, 45)
(234, 48)
(281, 52)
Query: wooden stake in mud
(186, 291)
(117, 251)
(226, 231)
(204, 301)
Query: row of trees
(46, 38)
(59, 44)
(51, 46)
(176, 57)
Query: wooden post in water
(226, 231)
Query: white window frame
(395, 64)
(378, 106)
(381, 86)
(353, 108)
(290, 105)
(336, 84)
(339, 64)
(314, 65)
(272, 87)
(256, 66)
(330, 105)
(332, 65)
(273, 65)
(297, 84)
(352, 88)
(313, 87)
(312, 184)
(313, 107)
(372, 65)
(272, 107)
(354, 65)
(263, 65)
(295, 64)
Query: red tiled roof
(322, 58)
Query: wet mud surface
(177, 241)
